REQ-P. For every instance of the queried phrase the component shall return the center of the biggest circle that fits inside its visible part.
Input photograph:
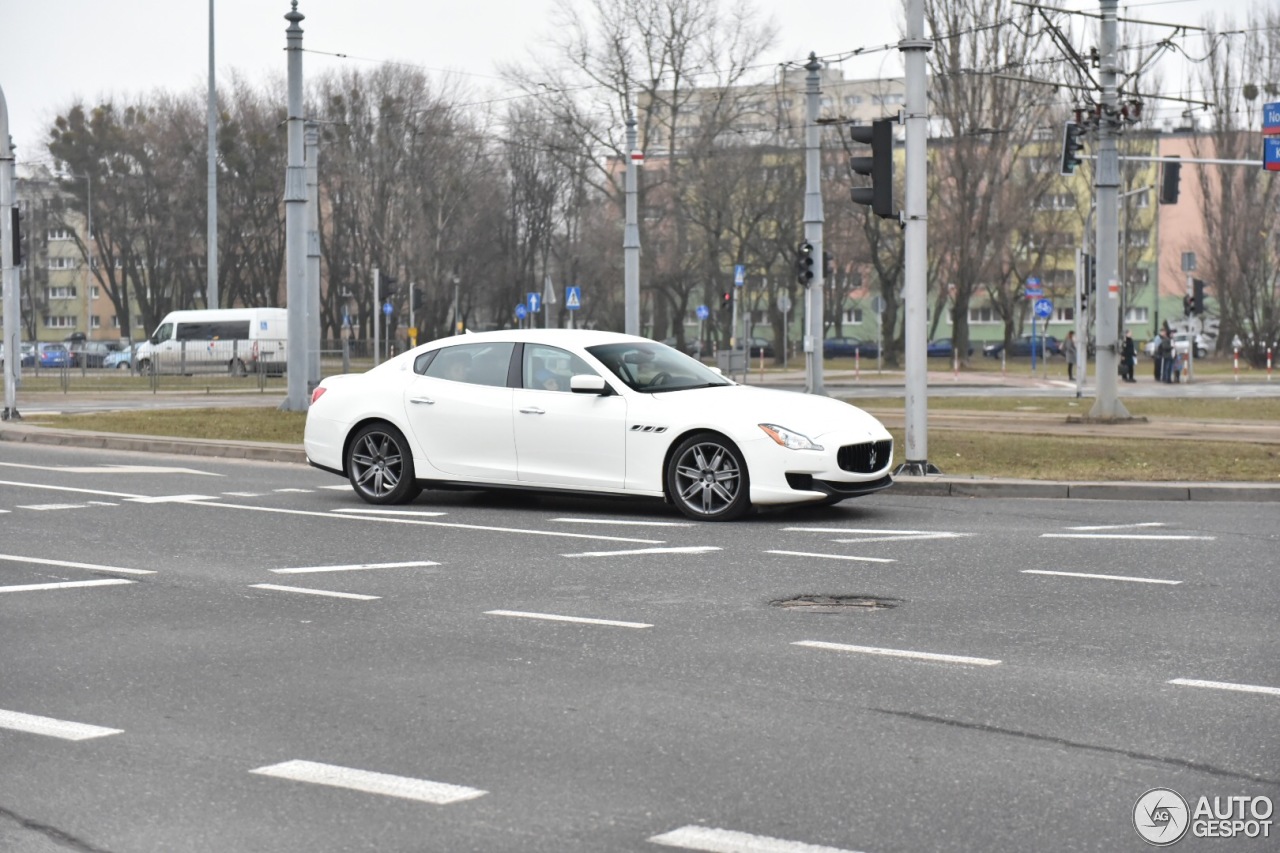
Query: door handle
(420, 400)
(532, 410)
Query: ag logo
(1161, 816)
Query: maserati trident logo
(873, 457)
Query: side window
(421, 362)
(477, 364)
(549, 368)
(193, 332)
(164, 333)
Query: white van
(231, 340)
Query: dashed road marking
(112, 469)
(833, 556)
(551, 617)
(1145, 537)
(715, 840)
(405, 513)
(34, 587)
(1119, 526)
(30, 723)
(14, 558)
(48, 507)
(625, 521)
(243, 494)
(173, 499)
(357, 567)
(692, 549)
(369, 782)
(866, 534)
(46, 487)
(1099, 577)
(296, 491)
(898, 653)
(102, 503)
(345, 487)
(1226, 685)
(324, 592)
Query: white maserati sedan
(588, 412)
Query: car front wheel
(380, 465)
(707, 479)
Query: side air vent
(647, 428)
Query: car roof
(551, 337)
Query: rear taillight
(316, 394)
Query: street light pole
(295, 228)
(8, 270)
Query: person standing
(1069, 352)
(1128, 357)
(1165, 353)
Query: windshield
(650, 367)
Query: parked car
(121, 359)
(91, 353)
(840, 347)
(943, 348)
(637, 419)
(759, 347)
(1180, 345)
(53, 355)
(1021, 347)
(691, 346)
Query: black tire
(236, 367)
(143, 366)
(707, 478)
(380, 465)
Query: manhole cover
(836, 603)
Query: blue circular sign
(521, 312)
(1044, 308)
(703, 312)
(386, 308)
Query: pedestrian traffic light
(1170, 177)
(1090, 279)
(1187, 306)
(16, 220)
(1071, 147)
(804, 263)
(1197, 295)
(879, 166)
(828, 265)
(727, 300)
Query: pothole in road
(836, 603)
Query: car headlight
(789, 439)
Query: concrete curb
(930, 486)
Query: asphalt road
(207, 691)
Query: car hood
(811, 415)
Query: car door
(459, 409)
(562, 438)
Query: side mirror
(588, 383)
(717, 371)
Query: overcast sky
(57, 51)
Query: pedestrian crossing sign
(573, 298)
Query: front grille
(865, 458)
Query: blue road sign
(739, 275)
(1033, 288)
(386, 308)
(573, 298)
(1271, 153)
(521, 312)
(1044, 308)
(1270, 119)
(703, 312)
(535, 302)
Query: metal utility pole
(1107, 405)
(377, 311)
(13, 358)
(295, 224)
(311, 150)
(813, 222)
(916, 257)
(211, 238)
(631, 236)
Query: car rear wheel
(236, 367)
(380, 465)
(707, 478)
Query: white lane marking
(1098, 577)
(1119, 526)
(554, 618)
(357, 567)
(860, 530)
(715, 840)
(300, 491)
(306, 591)
(112, 469)
(875, 534)
(243, 494)
(173, 499)
(405, 787)
(343, 487)
(32, 587)
(453, 524)
(1226, 685)
(898, 653)
(69, 565)
(692, 549)
(408, 513)
(625, 521)
(102, 503)
(913, 537)
(32, 724)
(98, 492)
(5, 511)
(1164, 537)
(832, 556)
(47, 507)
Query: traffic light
(1187, 306)
(879, 166)
(828, 265)
(1169, 180)
(1071, 147)
(16, 220)
(727, 300)
(1197, 295)
(804, 263)
(1090, 280)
